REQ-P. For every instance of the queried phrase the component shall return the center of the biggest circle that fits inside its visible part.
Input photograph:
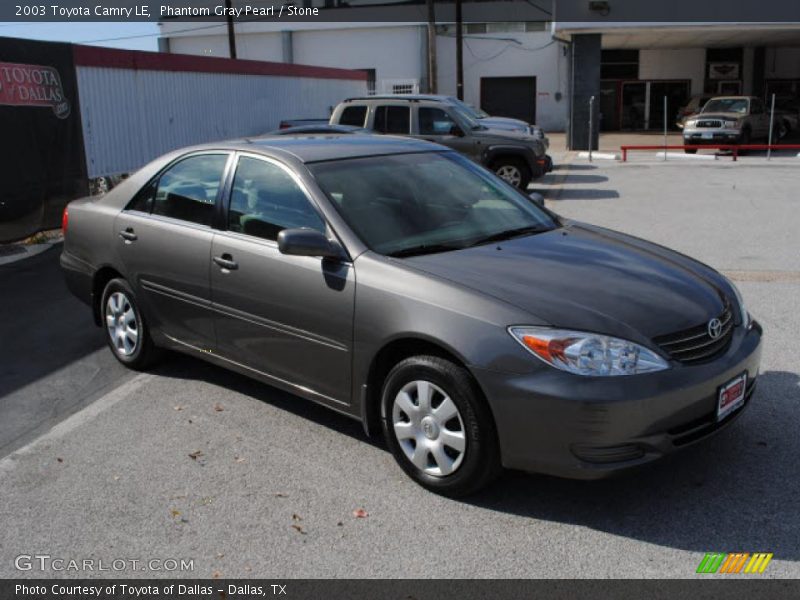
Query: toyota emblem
(714, 328)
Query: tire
(780, 130)
(460, 448)
(690, 150)
(744, 139)
(127, 334)
(513, 170)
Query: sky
(134, 36)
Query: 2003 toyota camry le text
(397, 282)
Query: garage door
(513, 97)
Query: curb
(21, 252)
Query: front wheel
(744, 140)
(126, 332)
(514, 171)
(439, 427)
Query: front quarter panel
(394, 301)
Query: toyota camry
(400, 284)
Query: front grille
(716, 124)
(696, 345)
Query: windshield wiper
(422, 249)
(510, 233)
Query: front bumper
(717, 136)
(593, 427)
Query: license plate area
(707, 135)
(731, 396)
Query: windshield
(475, 113)
(731, 105)
(465, 113)
(407, 204)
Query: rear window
(392, 119)
(353, 115)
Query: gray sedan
(399, 283)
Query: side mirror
(307, 242)
(456, 131)
(536, 198)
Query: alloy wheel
(123, 327)
(429, 428)
(511, 174)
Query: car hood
(731, 116)
(588, 278)
(511, 135)
(504, 123)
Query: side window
(392, 119)
(265, 200)
(188, 189)
(434, 121)
(353, 115)
(143, 200)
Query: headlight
(744, 316)
(729, 124)
(584, 353)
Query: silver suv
(727, 120)
(517, 157)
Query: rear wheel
(126, 332)
(438, 426)
(513, 170)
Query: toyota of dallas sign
(32, 85)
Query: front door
(287, 317)
(438, 125)
(164, 239)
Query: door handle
(226, 262)
(128, 235)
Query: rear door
(164, 241)
(287, 317)
(394, 119)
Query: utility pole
(459, 52)
(231, 34)
(431, 47)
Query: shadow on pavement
(734, 492)
(43, 327)
(737, 491)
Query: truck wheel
(744, 140)
(513, 170)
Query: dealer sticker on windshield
(731, 396)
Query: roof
(408, 97)
(314, 148)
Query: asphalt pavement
(191, 462)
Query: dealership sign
(32, 85)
